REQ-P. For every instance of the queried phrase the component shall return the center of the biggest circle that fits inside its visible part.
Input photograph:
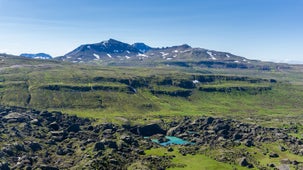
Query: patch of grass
(190, 162)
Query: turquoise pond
(172, 141)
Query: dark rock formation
(150, 129)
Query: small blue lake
(172, 141)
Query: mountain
(37, 56)
(105, 50)
(116, 53)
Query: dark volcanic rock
(248, 143)
(170, 149)
(282, 148)
(243, 162)
(111, 144)
(149, 130)
(74, 128)
(18, 147)
(271, 165)
(35, 146)
(54, 126)
(35, 122)
(8, 150)
(99, 146)
(126, 138)
(4, 166)
(48, 167)
(273, 155)
(45, 114)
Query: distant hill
(37, 56)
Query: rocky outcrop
(244, 162)
(209, 130)
(33, 139)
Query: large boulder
(244, 162)
(73, 128)
(54, 126)
(150, 130)
(99, 146)
(4, 166)
(35, 146)
(126, 138)
(273, 155)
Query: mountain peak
(185, 46)
(110, 41)
(105, 50)
(141, 47)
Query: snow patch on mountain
(196, 81)
(164, 54)
(211, 55)
(142, 55)
(96, 55)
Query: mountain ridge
(119, 53)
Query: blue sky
(257, 29)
